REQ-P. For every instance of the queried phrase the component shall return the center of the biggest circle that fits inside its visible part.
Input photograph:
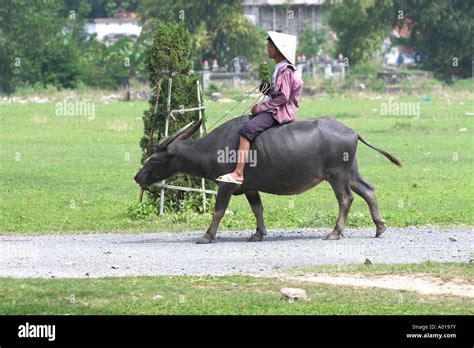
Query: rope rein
(243, 100)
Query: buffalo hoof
(332, 236)
(257, 237)
(204, 240)
(379, 231)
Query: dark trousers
(257, 125)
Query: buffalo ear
(171, 150)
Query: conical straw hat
(286, 44)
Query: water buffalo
(291, 159)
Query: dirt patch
(422, 283)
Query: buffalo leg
(367, 192)
(257, 208)
(344, 197)
(222, 201)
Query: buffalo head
(159, 166)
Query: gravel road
(112, 254)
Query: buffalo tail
(385, 153)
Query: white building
(284, 16)
(109, 30)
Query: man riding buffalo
(281, 107)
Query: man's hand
(253, 109)
(264, 88)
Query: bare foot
(237, 176)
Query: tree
(361, 26)
(310, 41)
(103, 8)
(440, 30)
(109, 67)
(38, 44)
(168, 57)
(218, 27)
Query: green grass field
(73, 174)
(230, 295)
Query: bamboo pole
(150, 135)
(181, 111)
(203, 181)
(185, 189)
(167, 121)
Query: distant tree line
(441, 30)
(45, 42)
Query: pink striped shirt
(286, 93)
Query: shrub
(140, 211)
(378, 85)
(168, 58)
(212, 89)
(463, 85)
